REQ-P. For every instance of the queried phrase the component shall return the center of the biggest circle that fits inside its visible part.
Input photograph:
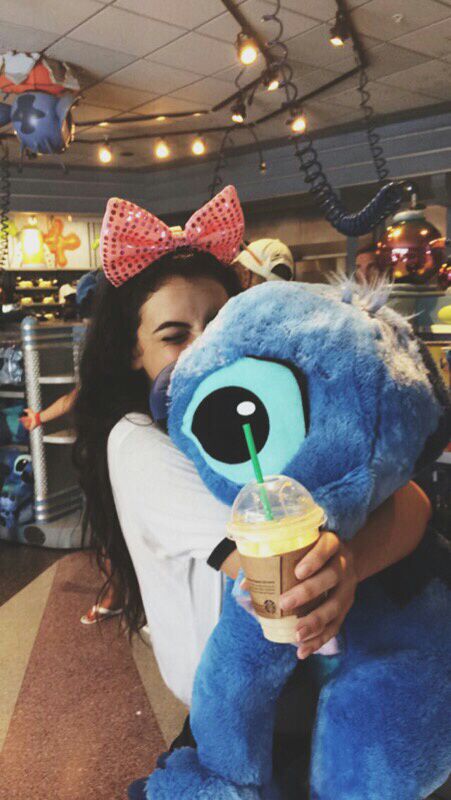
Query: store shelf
(12, 393)
(22, 448)
(56, 379)
(36, 289)
(24, 306)
(60, 437)
(56, 270)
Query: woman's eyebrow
(171, 324)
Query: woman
(146, 504)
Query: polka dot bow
(132, 238)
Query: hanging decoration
(388, 198)
(412, 249)
(58, 243)
(43, 93)
(30, 248)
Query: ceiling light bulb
(273, 85)
(161, 118)
(162, 150)
(198, 147)
(103, 124)
(239, 112)
(339, 31)
(246, 48)
(105, 155)
(298, 124)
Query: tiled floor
(55, 671)
(82, 714)
(20, 564)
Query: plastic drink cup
(270, 548)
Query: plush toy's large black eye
(219, 419)
(266, 394)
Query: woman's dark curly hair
(109, 388)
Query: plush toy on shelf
(16, 494)
(374, 412)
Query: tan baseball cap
(269, 258)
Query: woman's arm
(391, 532)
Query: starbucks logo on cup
(270, 606)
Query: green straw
(257, 470)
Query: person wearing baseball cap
(264, 260)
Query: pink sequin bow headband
(132, 238)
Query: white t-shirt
(171, 523)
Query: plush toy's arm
(235, 693)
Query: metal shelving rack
(51, 355)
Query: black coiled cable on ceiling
(5, 203)
(374, 139)
(387, 199)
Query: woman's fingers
(312, 588)
(325, 548)
(305, 650)
(315, 623)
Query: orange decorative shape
(38, 79)
(58, 243)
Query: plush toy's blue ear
(334, 387)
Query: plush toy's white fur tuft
(369, 297)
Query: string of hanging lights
(276, 74)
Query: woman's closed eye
(176, 338)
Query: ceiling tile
(223, 27)
(324, 10)
(163, 105)
(383, 59)
(127, 32)
(432, 77)
(308, 80)
(157, 78)
(250, 73)
(51, 15)
(186, 14)
(86, 111)
(97, 61)
(206, 92)
(226, 28)
(197, 53)
(385, 99)
(434, 40)
(116, 96)
(381, 15)
(313, 47)
(19, 37)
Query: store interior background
(135, 59)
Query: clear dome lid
(283, 497)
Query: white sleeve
(160, 492)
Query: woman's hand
(327, 569)
(31, 420)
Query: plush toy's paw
(184, 778)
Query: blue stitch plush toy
(347, 402)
